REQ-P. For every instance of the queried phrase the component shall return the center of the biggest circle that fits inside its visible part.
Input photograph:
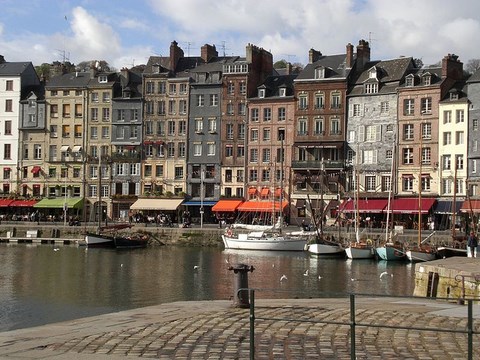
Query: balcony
(119, 157)
(317, 164)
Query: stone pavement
(217, 330)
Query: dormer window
(261, 93)
(372, 73)
(371, 88)
(102, 78)
(156, 68)
(453, 95)
(282, 92)
(320, 73)
(426, 79)
(409, 81)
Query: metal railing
(353, 324)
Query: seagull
(305, 273)
(284, 277)
(353, 279)
(319, 277)
(56, 249)
(385, 274)
(196, 267)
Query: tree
(472, 65)
(101, 65)
(418, 63)
(280, 64)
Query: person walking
(472, 243)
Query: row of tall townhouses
(210, 126)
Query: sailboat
(106, 236)
(390, 250)
(322, 245)
(420, 252)
(359, 249)
(267, 239)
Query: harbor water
(41, 284)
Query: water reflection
(39, 285)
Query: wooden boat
(423, 253)
(391, 251)
(360, 250)
(326, 249)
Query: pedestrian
(472, 243)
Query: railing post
(352, 327)
(252, 324)
(470, 329)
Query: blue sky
(128, 32)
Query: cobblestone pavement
(284, 329)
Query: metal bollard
(240, 297)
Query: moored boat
(423, 253)
(262, 240)
(391, 252)
(326, 249)
(360, 250)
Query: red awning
(5, 202)
(226, 205)
(366, 206)
(7, 169)
(148, 142)
(470, 206)
(410, 205)
(23, 203)
(262, 206)
(36, 169)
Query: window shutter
(361, 133)
(375, 156)
(350, 110)
(378, 132)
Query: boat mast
(281, 185)
(454, 196)
(390, 188)
(355, 202)
(99, 193)
(420, 178)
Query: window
(356, 110)
(7, 151)
(372, 133)
(200, 100)
(211, 149)
(105, 132)
(318, 126)
(447, 138)
(426, 130)
(150, 87)
(172, 104)
(408, 106)
(213, 99)
(319, 72)
(266, 134)
(228, 151)
(266, 175)
(302, 127)
(197, 149)
(261, 93)
(212, 126)
(254, 114)
(253, 155)
(302, 102)
(386, 183)
(161, 107)
(198, 126)
(94, 97)
(369, 156)
(384, 107)
(8, 105)
(182, 106)
(172, 89)
(94, 114)
(371, 88)
(159, 170)
(230, 109)
(336, 103)
(370, 183)
(106, 97)
(447, 117)
(408, 132)
(459, 116)
(230, 88)
(426, 156)
(426, 105)
(229, 132)
(241, 108)
(162, 87)
(254, 135)
(77, 131)
(282, 114)
(241, 131)
(459, 138)
(266, 155)
(102, 78)
(335, 126)
(459, 161)
(240, 151)
(65, 131)
(319, 101)
(407, 182)
(66, 110)
(426, 183)
(182, 127)
(53, 131)
(134, 114)
(8, 127)
(474, 124)
(171, 149)
(282, 92)
(388, 154)
(9, 85)
(408, 156)
(243, 88)
(447, 186)
(105, 114)
(181, 149)
(267, 114)
(446, 162)
(183, 89)
(253, 175)
(93, 132)
(171, 128)
(37, 152)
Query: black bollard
(240, 285)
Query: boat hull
(390, 253)
(94, 240)
(419, 255)
(445, 251)
(354, 252)
(326, 249)
(117, 242)
(271, 243)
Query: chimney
(349, 59)
(313, 56)
(451, 67)
(176, 53)
(126, 74)
(208, 52)
(2, 59)
(288, 69)
(363, 54)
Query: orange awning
(265, 192)
(252, 191)
(278, 192)
(226, 205)
(262, 206)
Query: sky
(127, 33)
